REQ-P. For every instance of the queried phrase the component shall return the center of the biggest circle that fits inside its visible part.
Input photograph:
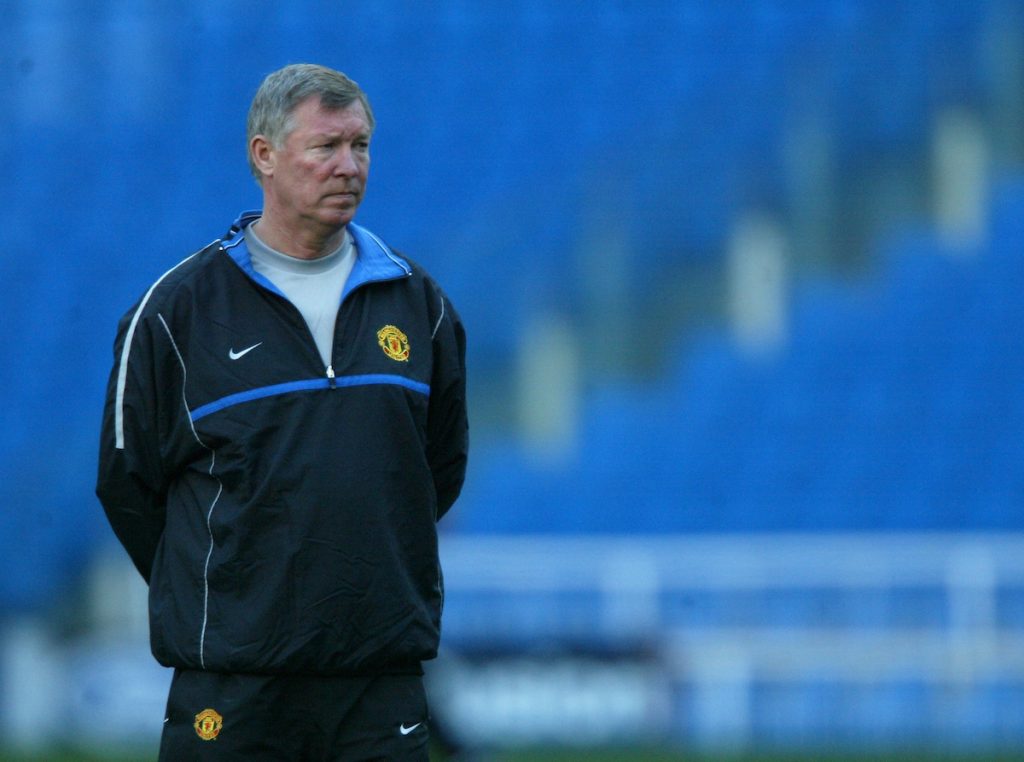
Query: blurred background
(743, 285)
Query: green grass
(652, 755)
(63, 755)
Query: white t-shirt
(314, 286)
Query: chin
(338, 218)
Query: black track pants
(294, 718)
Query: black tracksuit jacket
(284, 514)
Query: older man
(285, 424)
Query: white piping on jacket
(209, 512)
(439, 319)
(122, 370)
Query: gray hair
(282, 91)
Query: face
(317, 177)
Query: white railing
(964, 638)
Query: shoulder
(193, 267)
(438, 301)
(446, 327)
(416, 277)
(191, 270)
(179, 282)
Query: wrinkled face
(317, 176)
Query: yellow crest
(394, 343)
(208, 724)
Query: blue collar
(375, 261)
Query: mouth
(342, 197)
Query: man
(285, 423)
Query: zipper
(250, 272)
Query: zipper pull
(330, 375)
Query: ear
(263, 155)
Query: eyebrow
(364, 135)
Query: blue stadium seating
(502, 142)
(896, 405)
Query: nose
(346, 164)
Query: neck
(298, 242)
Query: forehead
(311, 116)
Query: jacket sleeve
(131, 484)
(447, 425)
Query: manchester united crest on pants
(208, 724)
